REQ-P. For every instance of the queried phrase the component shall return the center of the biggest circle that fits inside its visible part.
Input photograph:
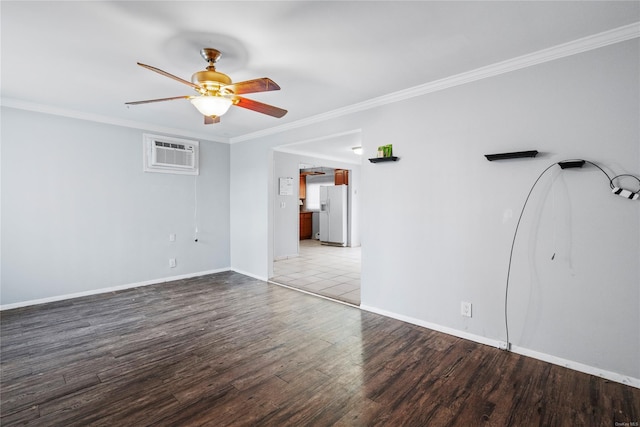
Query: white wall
(80, 215)
(251, 209)
(286, 218)
(439, 223)
(459, 230)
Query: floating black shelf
(384, 159)
(571, 164)
(514, 155)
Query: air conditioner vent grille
(169, 145)
(170, 155)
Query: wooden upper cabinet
(341, 177)
(303, 187)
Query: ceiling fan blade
(208, 120)
(264, 84)
(157, 100)
(171, 76)
(259, 107)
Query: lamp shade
(210, 105)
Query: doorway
(331, 271)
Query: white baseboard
(110, 289)
(434, 326)
(264, 279)
(576, 366)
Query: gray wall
(80, 215)
(439, 223)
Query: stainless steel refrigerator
(333, 215)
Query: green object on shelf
(385, 150)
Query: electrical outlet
(172, 262)
(172, 237)
(465, 309)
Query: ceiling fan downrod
(210, 79)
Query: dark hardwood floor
(226, 349)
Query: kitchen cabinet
(303, 187)
(341, 177)
(306, 225)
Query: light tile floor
(329, 271)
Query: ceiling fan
(216, 92)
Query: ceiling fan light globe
(211, 105)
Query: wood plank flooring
(229, 350)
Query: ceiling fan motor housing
(210, 79)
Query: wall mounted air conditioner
(170, 155)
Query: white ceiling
(79, 58)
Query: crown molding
(356, 161)
(574, 47)
(57, 111)
(292, 148)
